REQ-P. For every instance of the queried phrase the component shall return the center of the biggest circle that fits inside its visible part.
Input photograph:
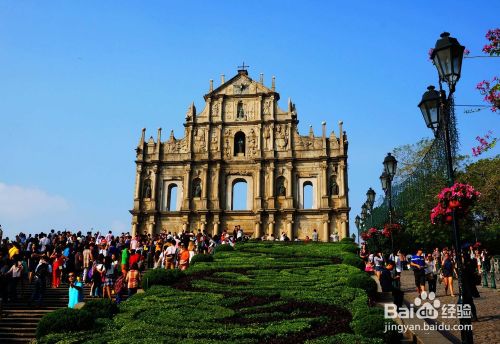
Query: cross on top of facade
(243, 67)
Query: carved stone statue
(147, 188)
(281, 187)
(240, 144)
(197, 188)
(333, 187)
(199, 139)
(241, 111)
(282, 137)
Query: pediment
(240, 84)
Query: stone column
(270, 225)
(326, 232)
(344, 233)
(324, 185)
(289, 229)
(137, 182)
(187, 188)
(257, 231)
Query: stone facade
(242, 136)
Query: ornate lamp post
(390, 164)
(357, 222)
(435, 107)
(370, 200)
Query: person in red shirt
(134, 258)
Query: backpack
(119, 285)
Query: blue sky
(79, 79)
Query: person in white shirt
(315, 235)
(16, 270)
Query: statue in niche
(333, 187)
(197, 188)
(147, 188)
(281, 187)
(240, 144)
(240, 113)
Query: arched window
(281, 186)
(333, 187)
(239, 195)
(239, 143)
(307, 192)
(196, 188)
(240, 112)
(172, 197)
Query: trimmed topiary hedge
(160, 277)
(65, 320)
(354, 261)
(101, 308)
(223, 248)
(362, 281)
(201, 258)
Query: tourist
(378, 261)
(133, 280)
(315, 235)
(42, 271)
(448, 269)
(183, 257)
(87, 262)
(15, 273)
(418, 264)
(75, 290)
(191, 250)
(431, 272)
(109, 275)
(469, 277)
(57, 267)
(170, 255)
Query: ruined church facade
(242, 140)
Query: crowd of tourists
(429, 269)
(110, 265)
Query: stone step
(19, 324)
(16, 334)
(30, 320)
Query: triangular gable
(242, 77)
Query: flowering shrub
(491, 92)
(494, 47)
(458, 197)
(484, 144)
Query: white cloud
(18, 203)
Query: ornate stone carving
(200, 146)
(282, 136)
(252, 143)
(215, 109)
(228, 110)
(227, 148)
(214, 143)
(267, 138)
(267, 106)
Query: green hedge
(101, 308)
(345, 338)
(160, 277)
(201, 258)
(223, 248)
(354, 261)
(65, 320)
(362, 281)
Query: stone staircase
(18, 320)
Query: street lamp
(435, 107)
(390, 164)
(357, 222)
(370, 200)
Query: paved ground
(486, 330)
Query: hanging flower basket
(459, 197)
